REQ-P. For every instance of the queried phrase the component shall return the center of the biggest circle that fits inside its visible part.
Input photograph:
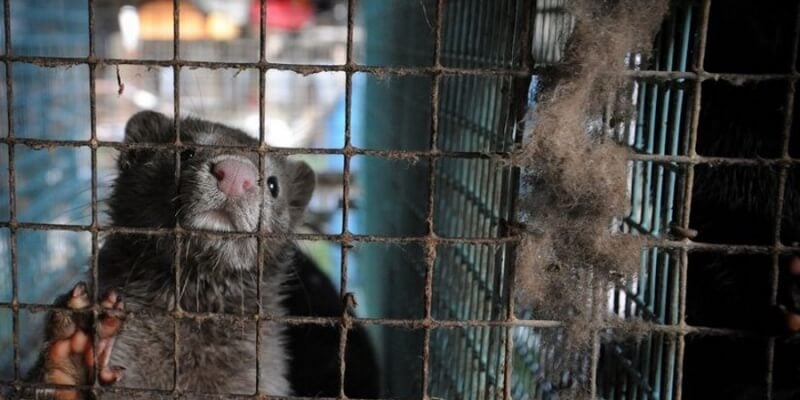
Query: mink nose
(234, 177)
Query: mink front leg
(69, 353)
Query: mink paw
(69, 358)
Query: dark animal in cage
(219, 191)
(742, 205)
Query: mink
(218, 190)
(737, 205)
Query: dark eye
(187, 154)
(272, 184)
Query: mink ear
(149, 127)
(302, 181)
(145, 127)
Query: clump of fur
(575, 181)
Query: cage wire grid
(437, 154)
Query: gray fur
(216, 275)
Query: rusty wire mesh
(468, 201)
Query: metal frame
(430, 241)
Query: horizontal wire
(304, 69)
(307, 69)
(405, 323)
(349, 151)
(412, 155)
(652, 242)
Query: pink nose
(234, 177)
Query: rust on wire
(308, 69)
(664, 243)
(176, 306)
(507, 234)
(690, 148)
(430, 243)
(346, 242)
(94, 221)
(348, 151)
(412, 155)
(262, 90)
(303, 69)
(414, 324)
(12, 198)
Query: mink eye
(272, 184)
(187, 154)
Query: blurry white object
(144, 99)
(236, 10)
(219, 26)
(129, 27)
(276, 131)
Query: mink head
(218, 190)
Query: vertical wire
(526, 63)
(176, 310)
(262, 77)
(94, 225)
(431, 239)
(346, 244)
(12, 198)
(691, 152)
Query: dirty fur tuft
(575, 176)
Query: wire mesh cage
(646, 366)
(472, 119)
(57, 192)
(685, 155)
(433, 104)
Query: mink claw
(120, 306)
(113, 301)
(113, 315)
(111, 374)
(110, 298)
(80, 289)
(79, 297)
